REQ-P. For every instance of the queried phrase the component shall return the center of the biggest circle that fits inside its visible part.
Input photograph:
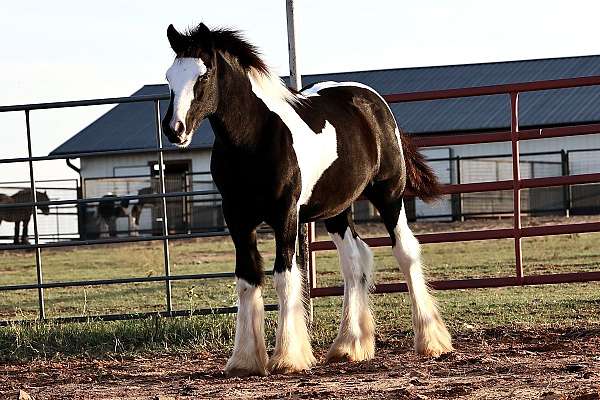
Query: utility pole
(295, 77)
(305, 231)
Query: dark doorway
(176, 173)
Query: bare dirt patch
(496, 364)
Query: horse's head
(193, 83)
(43, 196)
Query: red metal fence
(514, 135)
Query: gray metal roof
(131, 126)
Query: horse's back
(11, 214)
(368, 146)
(365, 119)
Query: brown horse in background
(20, 215)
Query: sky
(68, 50)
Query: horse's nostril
(179, 128)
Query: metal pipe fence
(514, 135)
(167, 277)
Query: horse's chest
(315, 150)
(249, 180)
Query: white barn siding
(113, 174)
(108, 166)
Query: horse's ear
(176, 39)
(203, 36)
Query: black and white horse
(111, 209)
(286, 158)
(136, 210)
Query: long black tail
(420, 178)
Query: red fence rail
(517, 232)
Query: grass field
(464, 310)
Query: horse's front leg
(249, 354)
(17, 231)
(24, 237)
(293, 351)
(134, 228)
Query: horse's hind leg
(356, 337)
(293, 351)
(431, 336)
(24, 237)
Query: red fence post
(514, 130)
(517, 232)
(311, 264)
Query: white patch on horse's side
(315, 152)
(356, 337)
(293, 351)
(182, 77)
(431, 336)
(314, 91)
(249, 353)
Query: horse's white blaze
(182, 77)
(292, 349)
(431, 335)
(249, 353)
(355, 339)
(315, 152)
(314, 91)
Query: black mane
(233, 42)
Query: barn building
(132, 127)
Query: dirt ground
(546, 364)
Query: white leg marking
(292, 349)
(431, 336)
(249, 353)
(103, 228)
(134, 229)
(356, 338)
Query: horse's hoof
(338, 358)
(434, 341)
(336, 355)
(248, 365)
(279, 364)
(435, 351)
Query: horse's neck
(6, 199)
(241, 115)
